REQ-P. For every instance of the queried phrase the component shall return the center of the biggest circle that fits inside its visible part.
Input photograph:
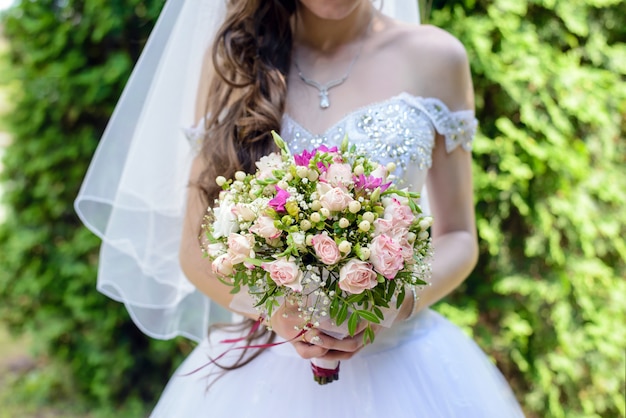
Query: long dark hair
(251, 56)
(246, 97)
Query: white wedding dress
(425, 367)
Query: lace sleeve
(458, 128)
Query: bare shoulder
(437, 62)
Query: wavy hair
(251, 57)
(246, 96)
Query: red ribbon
(323, 372)
(253, 329)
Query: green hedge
(547, 299)
(71, 60)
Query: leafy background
(546, 301)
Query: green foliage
(71, 60)
(546, 300)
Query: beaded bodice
(400, 129)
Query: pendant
(324, 101)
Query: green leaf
(352, 323)
(257, 262)
(352, 299)
(401, 295)
(391, 289)
(378, 313)
(368, 316)
(342, 314)
(368, 335)
(334, 307)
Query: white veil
(133, 195)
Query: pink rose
(399, 214)
(338, 174)
(382, 226)
(264, 227)
(386, 256)
(285, 273)
(397, 232)
(222, 265)
(267, 164)
(405, 247)
(240, 247)
(326, 249)
(335, 199)
(356, 276)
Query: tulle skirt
(425, 367)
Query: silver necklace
(324, 88)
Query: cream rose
(335, 199)
(246, 212)
(240, 247)
(222, 265)
(264, 227)
(326, 249)
(338, 174)
(285, 272)
(356, 276)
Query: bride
(315, 70)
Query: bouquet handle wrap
(243, 303)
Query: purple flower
(278, 202)
(322, 167)
(370, 183)
(304, 158)
(324, 148)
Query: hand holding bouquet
(326, 229)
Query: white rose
(216, 249)
(268, 164)
(298, 239)
(225, 220)
(380, 172)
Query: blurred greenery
(71, 60)
(546, 300)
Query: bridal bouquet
(326, 229)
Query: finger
(348, 344)
(309, 351)
(339, 355)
